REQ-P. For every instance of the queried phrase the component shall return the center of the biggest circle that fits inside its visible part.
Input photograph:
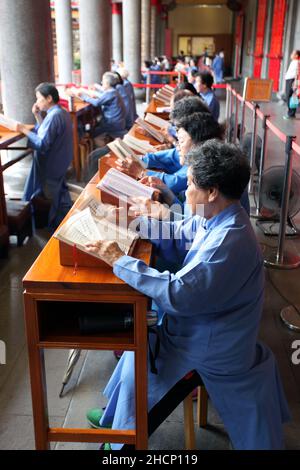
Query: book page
(141, 146)
(9, 123)
(116, 150)
(153, 132)
(156, 121)
(163, 109)
(97, 208)
(130, 153)
(79, 229)
(111, 232)
(123, 186)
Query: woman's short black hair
(216, 164)
(48, 89)
(187, 86)
(201, 127)
(187, 106)
(119, 78)
(207, 79)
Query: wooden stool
(19, 219)
(188, 410)
(4, 241)
(41, 208)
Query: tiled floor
(94, 367)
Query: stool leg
(189, 431)
(202, 400)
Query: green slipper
(93, 417)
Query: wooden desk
(7, 138)
(52, 294)
(80, 108)
(152, 108)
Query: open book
(88, 225)
(163, 109)
(157, 121)
(169, 89)
(163, 98)
(140, 146)
(123, 187)
(8, 123)
(156, 134)
(123, 151)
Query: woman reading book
(212, 308)
(52, 140)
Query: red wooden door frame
(277, 34)
(260, 37)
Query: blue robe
(176, 176)
(128, 85)
(218, 67)
(53, 142)
(127, 100)
(113, 110)
(213, 307)
(167, 160)
(213, 104)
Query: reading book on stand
(90, 224)
(120, 187)
(8, 123)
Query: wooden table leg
(141, 385)
(76, 153)
(37, 376)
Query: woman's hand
(108, 251)
(165, 194)
(35, 110)
(149, 208)
(131, 167)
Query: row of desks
(51, 293)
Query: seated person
(52, 140)
(203, 85)
(128, 85)
(212, 308)
(187, 86)
(127, 100)
(200, 127)
(111, 105)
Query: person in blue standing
(111, 105)
(127, 100)
(203, 85)
(213, 306)
(155, 67)
(218, 67)
(52, 140)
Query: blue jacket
(212, 309)
(53, 142)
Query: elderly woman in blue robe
(52, 140)
(212, 307)
(111, 105)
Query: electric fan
(269, 200)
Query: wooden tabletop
(47, 274)
(8, 137)
(80, 107)
(152, 108)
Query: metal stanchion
(278, 258)
(228, 136)
(227, 111)
(148, 89)
(243, 108)
(256, 212)
(236, 120)
(253, 147)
